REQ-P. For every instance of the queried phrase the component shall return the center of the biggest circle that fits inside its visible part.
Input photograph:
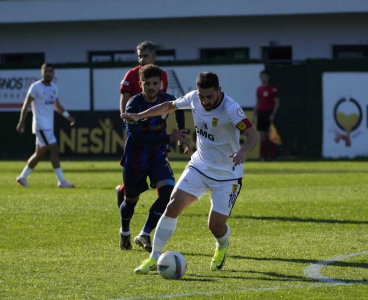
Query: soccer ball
(172, 265)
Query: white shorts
(45, 138)
(223, 193)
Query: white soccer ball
(172, 265)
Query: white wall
(86, 10)
(237, 81)
(311, 36)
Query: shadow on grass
(287, 260)
(300, 220)
(274, 276)
(287, 219)
(282, 171)
(196, 279)
(304, 261)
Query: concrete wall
(310, 36)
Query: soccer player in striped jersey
(130, 87)
(216, 166)
(145, 156)
(43, 96)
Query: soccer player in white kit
(43, 96)
(216, 166)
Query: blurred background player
(43, 97)
(145, 156)
(266, 107)
(130, 86)
(216, 166)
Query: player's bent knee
(173, 210)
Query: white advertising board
(345, 109)
(238, 81)
(74, 88)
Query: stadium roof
(31, 11)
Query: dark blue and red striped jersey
(147, 139)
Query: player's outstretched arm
(158, 110)
(63, 112)
(249, 144)
(23, 114)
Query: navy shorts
(263, 120)
(135, 181)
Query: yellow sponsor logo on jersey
(214, 122)
(241, 126)
(235, 188)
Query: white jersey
(43, 105)
(217, 136)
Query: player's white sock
(59, 174)
(25, 173)
(165, 229)
(124, 233)
(221, 242)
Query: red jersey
(130, 83)
(266, 96)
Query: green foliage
(63, 243)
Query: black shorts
(135, 181)
(263, 120)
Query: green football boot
(219, 258)
(149, 264)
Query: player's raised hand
(239, 157)
(133, 117)
(20, 128)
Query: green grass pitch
(63, 243)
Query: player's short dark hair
(147, 45)
(206, 80)
(47, 65)
(149, 71)
(264, 72)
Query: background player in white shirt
(43, 96)
(216, 166)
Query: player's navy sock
(264, 149)
(157, 209)
(126, 214)
(165, 229)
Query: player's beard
(149, 96)
(211, 106)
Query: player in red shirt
(130, 84)
(267, 104)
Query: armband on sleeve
(244, 125)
